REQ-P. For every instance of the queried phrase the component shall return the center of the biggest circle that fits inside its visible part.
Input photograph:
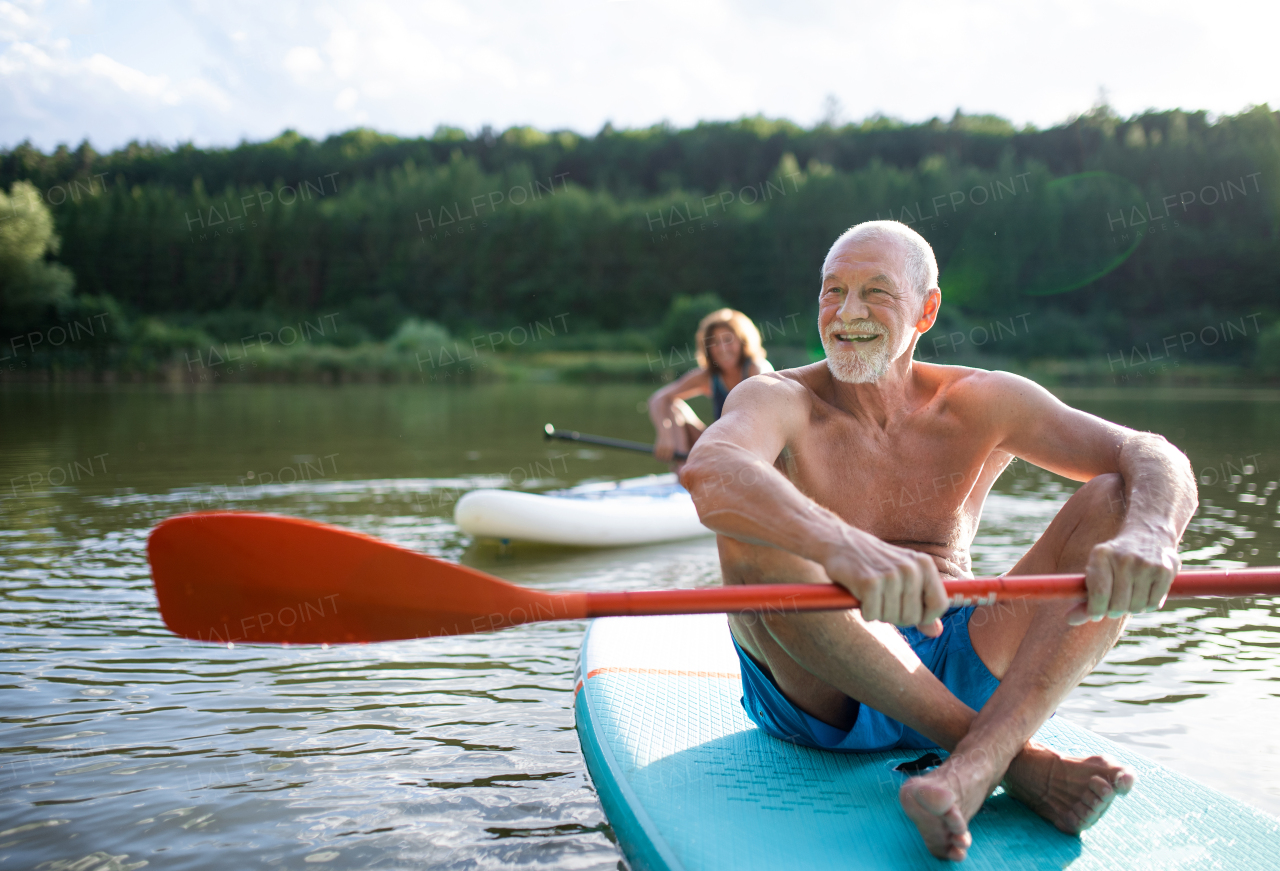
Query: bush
(419, 335)
(153, 342)
(1266, 357)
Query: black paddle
(602, 441)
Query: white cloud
(128, 79)
(346, 99)
(15, 23)
(53, 96)
(217, 71)
(345, 50)
(302, 62)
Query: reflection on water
(123, 744)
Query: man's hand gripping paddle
(260, 578)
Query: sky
(215, 72)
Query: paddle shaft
(980, 591)
(605, 442)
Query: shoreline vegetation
(1103, 251)
(385, 363)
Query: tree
(30, 285)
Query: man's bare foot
(1071, 792)
(936, 813)
(942, 802)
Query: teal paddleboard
(688, 782)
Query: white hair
(920, 266)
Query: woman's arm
(696, 382)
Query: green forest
(1105, 241)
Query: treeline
(1099, 235)
(633, 163)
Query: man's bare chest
(923, 484)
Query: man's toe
(1125, 780)
(1100, 789)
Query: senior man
(870, 469)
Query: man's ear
(932, 300)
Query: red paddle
(227, 577)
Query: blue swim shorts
(950, 657)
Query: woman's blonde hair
(737, 323)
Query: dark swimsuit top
(719, 393)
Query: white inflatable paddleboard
(688, 782)
(636, 511)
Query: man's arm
(1134, 570)
(739, 493)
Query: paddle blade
(242, 577)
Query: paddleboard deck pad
(688, 782)
(636, 511)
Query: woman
(729, 352)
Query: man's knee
(1101, 507)
(785, 624)
(1105, 493)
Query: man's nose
(853, 308)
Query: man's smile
(860, 336)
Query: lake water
(124, 746)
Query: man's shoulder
(990, 389)
(793, 381)
(805, 384)
(995, 383)
(774, 390)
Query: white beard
(853, 363)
